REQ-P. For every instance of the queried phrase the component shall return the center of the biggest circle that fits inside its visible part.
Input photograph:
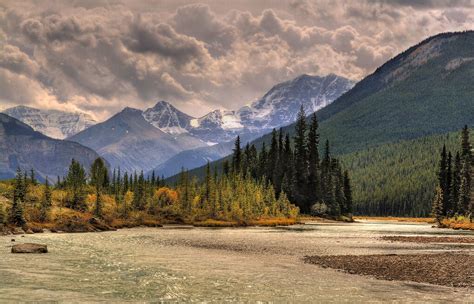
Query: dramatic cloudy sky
(100, 56)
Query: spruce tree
(466, 152)
(139, 192)
(153, 178)
(46, 202)
(262, 161)
(208, 188)
(300, 176)
(314, 191)
(237, 156)
(438, 207)
(16, 214)
(75, 181)
(448, 208)
(347, 194)
(288, 168)
(33, 180)
(225, 167)
(465, 188)
(272, 159)
(443, 175)
(19, 190)
(326, 177)
(126, 186)
(455, 183)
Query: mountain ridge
(53, 123)
(27, 149)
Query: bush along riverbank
(98, 203)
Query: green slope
(428, 89)
(398, 178)
(424, 91)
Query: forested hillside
(423, 92)
(397, 178)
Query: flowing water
(184, 264)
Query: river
(185, 264)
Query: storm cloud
(100, 56)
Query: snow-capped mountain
(53, 123)
(167, 118)
(279, 107)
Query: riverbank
(248, 264)
(459, 223)
(75, 222)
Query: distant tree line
(453, 193)
(230, 197)
(295, 168)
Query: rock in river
(29, 248)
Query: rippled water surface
(183, 264)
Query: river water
(184, 264)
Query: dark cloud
(162, 39)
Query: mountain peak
(281, 104)
(53, 123)
(167, 118)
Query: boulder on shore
(29, 248)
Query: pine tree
(466, 149)
(314, 191)
(448, 208)
(33, 180)
(465, 188)
(75, 181)
(225, 167)
(46, 202)
(337, 187)
(326, 177)
(153, 178)
(208, 188)
(99, 174)
(262, 161)
(455, 183)
(126, 186)
(443, 176)
(139, 192)
(184, 190)
(272, 160)
(19, 192)
(237, 156)
(288, 168)
(438, 205)
(300, 161)
(16, 214)
(347, 194)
